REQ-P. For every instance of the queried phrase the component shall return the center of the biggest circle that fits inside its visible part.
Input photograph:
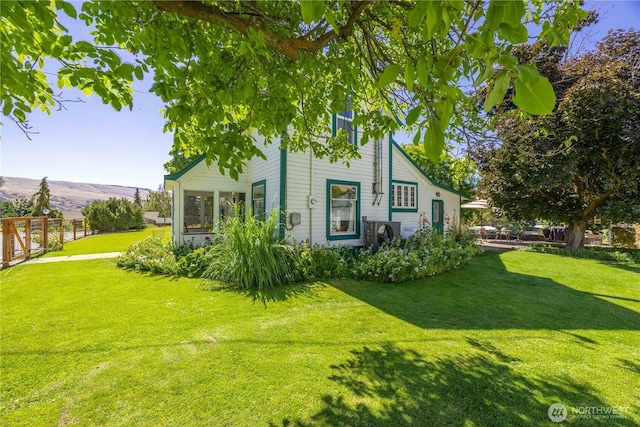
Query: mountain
(69, 197)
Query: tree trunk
(575, 233)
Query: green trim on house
(175, 176)
(390, 176)
(424, 174)
(415, 184)
(283, 189)
(352, 236)
(253, 208)
(437, 225)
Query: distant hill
(69, 197)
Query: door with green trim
(437, 215)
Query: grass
(104, 242)
(495, 343)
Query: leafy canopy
(231, 71)
(582, 161)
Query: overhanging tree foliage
(582, 161)
(231, 70)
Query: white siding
(307, 176)
(404, 170)
(260, 169)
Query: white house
(383, 194)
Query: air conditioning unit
(381, 232)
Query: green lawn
(104, 242)
(493, 344)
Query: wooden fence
(24, 237)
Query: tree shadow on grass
(391, 386)
(485, 295)
(264, 296)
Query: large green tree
(158, 201)
(230, 71)
(582, 161)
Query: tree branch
(287, 46)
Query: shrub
(621, 255)
(248, 254)
(54, 243)
(150, 255)
(114, 215)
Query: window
(344, 120)
(231, 202)
(198, 211)
(343, 210)
(258, 191)
(404, 196)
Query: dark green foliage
(598, 253)
(42, 199)
(114, 215)
(581, 162)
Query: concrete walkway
(72, 258)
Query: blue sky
(90, 142)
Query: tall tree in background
(136, 198)
(235, 75)
(582, 161)
(42, 199)
(158, 201)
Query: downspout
(283, 190)
(310, 195)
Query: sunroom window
(198, 211)
(343, 209)
(231, 202)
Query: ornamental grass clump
(248, 253)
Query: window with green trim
(343, 210)
(404, 195)
(258, 191)
(344, 120)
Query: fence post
(27, 238)
(73, 224)
(61, 226)
(45, 235)
(84, 226)
(6, 243)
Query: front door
(437, 215)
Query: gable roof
(175, 176)
(424, 174)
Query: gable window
(344, 120)
(258, 191)
(198, 211)
(343, 210)
(404, 196)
